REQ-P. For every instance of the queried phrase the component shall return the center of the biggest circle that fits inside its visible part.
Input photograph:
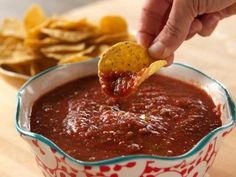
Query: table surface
(215, 55)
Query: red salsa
(163, 117)
(118, 84)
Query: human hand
(165, 24)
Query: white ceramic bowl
(53, 162)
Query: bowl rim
(119, 159)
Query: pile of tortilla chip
(40, 42)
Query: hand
(165, 24)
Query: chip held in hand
(124, 66)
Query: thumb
(175, 30)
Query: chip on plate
(111, 38)
(67, 36)
(12, 28)
(64, 48)
(33, 17)
(73, 59)
(66, 24)
(39, 41)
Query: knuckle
(196, 5)
(201, 6)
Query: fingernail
(158, 50)
(169, 60)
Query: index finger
(153, 17)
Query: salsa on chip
(124, 66)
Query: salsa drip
(165, 117)
(118, 84)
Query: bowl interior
(211, 86)
(56, 76)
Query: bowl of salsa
(172, 126)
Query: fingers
(164, 35)
(209, 23)
(170, 59)
(231, 10)
(216, 10)
(195, 28)
(174, 32)
(145, 39)
(153, 18)
(211, 6)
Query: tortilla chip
(111, 38)
(55, 56)
(60, 56)
(12, 28)
(17, 57)
(33, 17)
(103, 48)
(125, 56)
(35, 33)
(88, 50)
(128, 57)
(12, 51)
(38, 43)
(113, 24)
(64, 48)
(73, 59)
(67, 24)
(9, 45)
(67, 36)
